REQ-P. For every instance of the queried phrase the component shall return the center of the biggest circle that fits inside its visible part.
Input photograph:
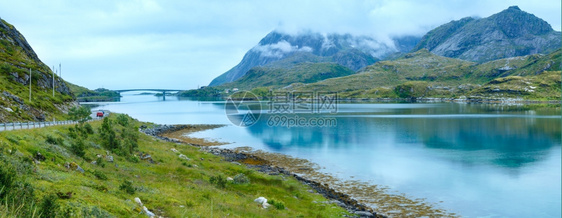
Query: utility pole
(53, 84)
(30, 85)
(60, 71)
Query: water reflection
(511, 139)
(480, 160)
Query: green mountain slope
(299, 68)
(300, 73)
(423, 74)
(353, 52)
(420, 65)
(17, 58)
(84, 94)
(544, 86)
(520, 66)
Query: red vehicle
(100, 114)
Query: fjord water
(474, 160)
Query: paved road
(32, 125)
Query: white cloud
(200, 39)
(279, 49)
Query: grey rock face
(41, 73)
(509, 33)
(353, 52)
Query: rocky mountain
(424, 74)
(510, 33)
(17, 58)
(353, 52)
(420, 65)
(277, 77)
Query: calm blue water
(480, 160)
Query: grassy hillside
(86, 95)
(17, 59)
(41, 175)
(420, 65)
(545, 86)
(519, 66)
(423, 74)
(277, 75)
(298, 73)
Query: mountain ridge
(353, 52)
(17, 62)
(531, 77)
(509, 33)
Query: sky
(184, 44)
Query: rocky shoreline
(341, 199)
(470, 100)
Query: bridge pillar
(164, 95)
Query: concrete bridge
(151, 90)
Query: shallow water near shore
(473, 160)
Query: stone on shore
(78, 168)
(182, 156)
(147, 212)
(262, 201)
(139, 202)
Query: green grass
(15, 64)
(277, 77)
(86, 95)
(449, 78)
(442, 77)
(545, 87)
(170, 187)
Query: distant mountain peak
(514, 23)
(509, 33)
(353, 52)
(515, 7)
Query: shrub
(78, 148)
(133, 159)
(100, 162)
(241, 179)
(107, 134)
(7, 178)
(72, 132)
(49, 206)
(100, 188)
(53, 140)
(100, 175)
(88, 129)
(189, 203)
(279, 205)
(95, 212)
(80, 114)
(13, 139)
(219, 181)
(130, 140)
(123, 120)
(21, 198)
(127, 186)
(412, 89)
